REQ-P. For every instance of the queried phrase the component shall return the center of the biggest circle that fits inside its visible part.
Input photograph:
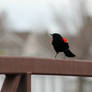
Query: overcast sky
(39, 14)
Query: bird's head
(57, 36)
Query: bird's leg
(64, 56)
(56, 54)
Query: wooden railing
(18, 70)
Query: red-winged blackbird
(60, 44)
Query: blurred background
(25, 26)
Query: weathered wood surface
(21, 65)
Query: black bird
(60, 44)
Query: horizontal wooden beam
(12, 65)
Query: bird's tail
(68, 53)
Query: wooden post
(18, 70)
(11, 83)
(17, 83)
(25, 83)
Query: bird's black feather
(68, 53)
(61, 46)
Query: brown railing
(18, 70)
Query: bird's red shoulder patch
(65, 40)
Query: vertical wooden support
(17, 83)
(11, 83)
(25, 83)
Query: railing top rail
(11, 65)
